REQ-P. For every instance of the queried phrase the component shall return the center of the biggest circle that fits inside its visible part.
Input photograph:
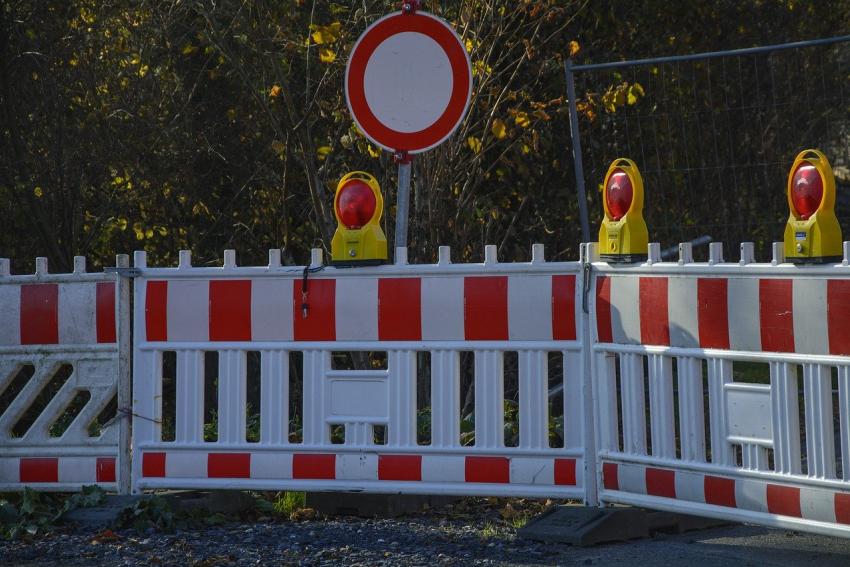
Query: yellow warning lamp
(358, 205)
(812, 235)
(623, 236)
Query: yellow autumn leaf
(278, 146)
(326, 55)
(479, 68)
(323, 151)
(499, 129)
(373, 152)
(542, 115)
(574, 48)
(522, 120)
(275, 91)
(474, 144)
(326, 34)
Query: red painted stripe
(776, 315)
(720, 491)
(837, 315)
(320, 322)
(603, 310)
(105, 310)
(783, 500)
(153, 465)
(564, 308)
(229, 465)
(156, 311)
(654, 323)
(40, 314)
(400, 467)
(713, 312)
(314, 466)
(488, 469)
(610, 479)
(842, 508)
(44, 469)
(106, 469)
(660, 483)
(400, 309)
(565, 472)
(230, 310)
(485, 313)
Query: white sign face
(408, 93)
(408, 82)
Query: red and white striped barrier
(721, 442)
(366, 471)
(70, 313)
(442, 309)
(446, 308)
(728, 497)
(67, 471)
(73, 328)
(748, 313)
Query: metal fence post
(582, 198)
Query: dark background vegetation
(160, 125)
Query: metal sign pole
(402, 207)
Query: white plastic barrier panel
(64, 363)
(723, 390)
(446, 342)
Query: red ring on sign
(355, 93)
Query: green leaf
(31, 500)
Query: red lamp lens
(355, 204)
(619, 193)
(806, 190)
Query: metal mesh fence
(715, 135)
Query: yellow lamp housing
(812, 234)
(623, 236)
(358, 206)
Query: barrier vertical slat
(358, 434)
(634, 403)
(753, 457)
(820, 442)
(189, 421)
(719, 374)
(661, 423)
(232, 396)
(606, 392)
(786, 417)
(533, 399)
(691, 409)
(402, 390)
(489, 399)
(445, 398)
(316, 364)
(573, 376)
(844, 411)
(274, 397)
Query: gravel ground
(475, 535)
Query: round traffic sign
(408, 82)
